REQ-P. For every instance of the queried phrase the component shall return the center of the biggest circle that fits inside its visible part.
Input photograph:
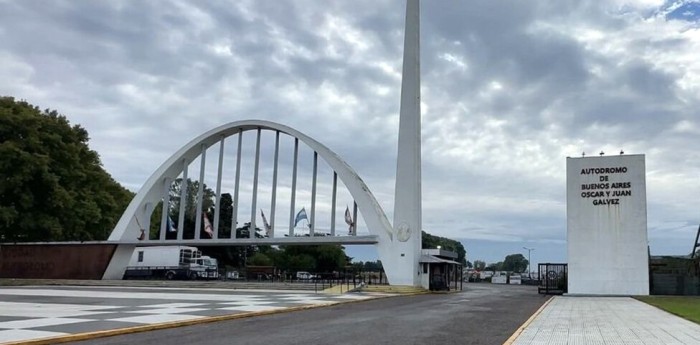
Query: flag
(169, 225)
(301, 215)
(142, 236)
(207, 226)
(348, 220)
(268, 228)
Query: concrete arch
(400, 258)
(141, 206)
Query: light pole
(529, 269)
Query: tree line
(512, 263)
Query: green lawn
(687, 307)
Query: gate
(669, 275)
(553, 279)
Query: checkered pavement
(37, 312)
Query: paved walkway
(30, 313)
(607, 320)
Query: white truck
(171, 262)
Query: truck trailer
(171, 262)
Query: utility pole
(696, 245)
(529, 268)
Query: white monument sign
(606, 209)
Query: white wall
(607, 243)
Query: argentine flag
(170, 226)
(301, 215)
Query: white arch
(400, 258)
(141, 206)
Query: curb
(336, 290)
(175, 324)
(522, 327)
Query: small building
(439, 270)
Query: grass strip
(687, 307)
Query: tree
(515, 263)
(260, 259)
(244, 231)
(431, 242)
(53, 186)
(208, 201)
(330, 258)
(319, 258)
(479, 264)
(495, 266)
(225, 215)
(373, 266)
(237, 256)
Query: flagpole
(292, 221)
(354, 218)
(333, 202)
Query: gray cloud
(509, 90)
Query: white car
(305, 275)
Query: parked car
(302, 275)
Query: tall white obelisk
(407, 196)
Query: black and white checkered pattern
(37, 312)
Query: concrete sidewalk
(606, 320)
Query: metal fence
(669, 275)
(553, 278)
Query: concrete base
(120, 259)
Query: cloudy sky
(509, 90)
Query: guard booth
(439, 270)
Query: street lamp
(529, 269)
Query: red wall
(55, 261)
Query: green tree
(237, 256)
(191, 200)
(330, 258)
(225, 215)
(53, 187)
(479, 264)
(432, 242)
(190, 219)
(373, 266)
(515, 263)
(319, 258)
(495, 266)
(301, 262)
(260, 259)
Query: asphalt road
(482, 314)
